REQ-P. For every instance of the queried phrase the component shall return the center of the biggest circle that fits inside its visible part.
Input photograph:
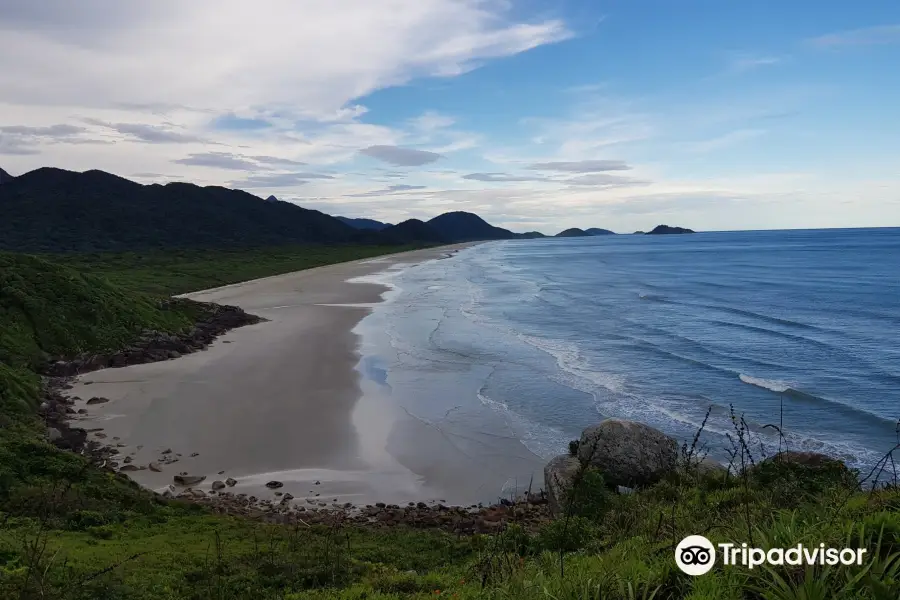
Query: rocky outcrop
(154, 346)
(559, 474)
(628, 453)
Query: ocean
(534, 340)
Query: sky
(535, 114)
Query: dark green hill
(573, 232)
(5, 177)
(598, 231)
(412, 231)
(52, 210)
(49, 310)
(467, 227)
(364, 223)
(531, 235)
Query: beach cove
(282, 401)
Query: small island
(573, 232)
(598, 231)
(531, 235)
(665, 230)
(639, 232)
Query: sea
(794, 333)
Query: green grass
(69, 531)
(181, 271)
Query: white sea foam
(570, 359)
(769, 384)
(542, 440)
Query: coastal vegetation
(73, 530)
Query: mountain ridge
(363, 223)
(51, 210)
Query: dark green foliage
(567, 534)
(50, 310)
(180, 271)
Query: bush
(566, 535)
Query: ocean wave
(768, 384)
(570, 359)
(790, 390)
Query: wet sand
(272, 401)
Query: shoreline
(280, 401)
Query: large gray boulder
(628, 453)
(558, 476)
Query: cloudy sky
(536, 114)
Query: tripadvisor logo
(696, 555)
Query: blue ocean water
(545, 337)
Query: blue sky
(536, 115)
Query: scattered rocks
(628, 453)
(195, 454)
(230, 482)
(130, 468)
(184, 479)
(166, 451)
(128, 460)
(155, 467)
(218, 485)
(97, 400)
(273, 485)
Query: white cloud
(400, 157)
(581, 166)
(747, 62)
(865, 36)
(310, 56)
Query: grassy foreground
(69, 531)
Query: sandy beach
(276, 401)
